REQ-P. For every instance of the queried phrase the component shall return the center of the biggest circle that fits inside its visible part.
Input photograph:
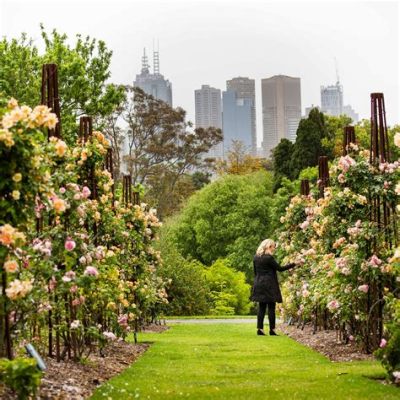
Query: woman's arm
(277, 267)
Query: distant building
(208, 113)
(332, 99)
(348, 110)
(154, 83)
(281, 103)
(241, 108)
(236, 120)
(332, 102)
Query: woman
(266, 289)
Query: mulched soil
(70, 380)
(326, 343)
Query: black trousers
(262, 307)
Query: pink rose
(73, 289)
(91, 271)
(69, 244)
(109, 335)
(304, 225)
(69, 276)
(85, 192)
(383, 343)
(363, 288)
(75, 302)
(341, 178)
(333, 305)
(375, 261)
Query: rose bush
(350, 273)
(78, 266)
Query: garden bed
(70, 380)
(325, 342)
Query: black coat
(266, 287)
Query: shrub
(229, 290)
(20, 375)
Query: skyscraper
(332, 99)
(154, 83)
(237, 120)
(208, 113)
(281, 103)
(245, 96)
(332, 102)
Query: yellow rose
(17, 177)
(12, 103)
(61, 148)
(50, 121)
(59, 205)
(16, 194)
(11, 266)
(6, 137)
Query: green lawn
(228, 361)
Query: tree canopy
(83, 74)
(226, 219)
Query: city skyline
(210, 41)
(281, 110)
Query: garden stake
(323, 172)
(349, 137)
(49, 95)
(305, 187)
(381, 216)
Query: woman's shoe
(260, 332)
(272, 333)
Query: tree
(308, 147)
(83, 72)
(332, 144)
(281, 156)
(161, 148)
(200, 179)
(239, 161)
(115, 134)
(226, 219)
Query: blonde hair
(265, 247)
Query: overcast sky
(209, 42)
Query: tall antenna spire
(145, 62)
(337, 72)
(156, 59)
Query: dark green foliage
(390, 354)
(226, 219)
(282, 155)
(21, 375)
(188, 292)
(200, 179)
(308, 147)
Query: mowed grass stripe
(225, 361)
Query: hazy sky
(209, 42)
